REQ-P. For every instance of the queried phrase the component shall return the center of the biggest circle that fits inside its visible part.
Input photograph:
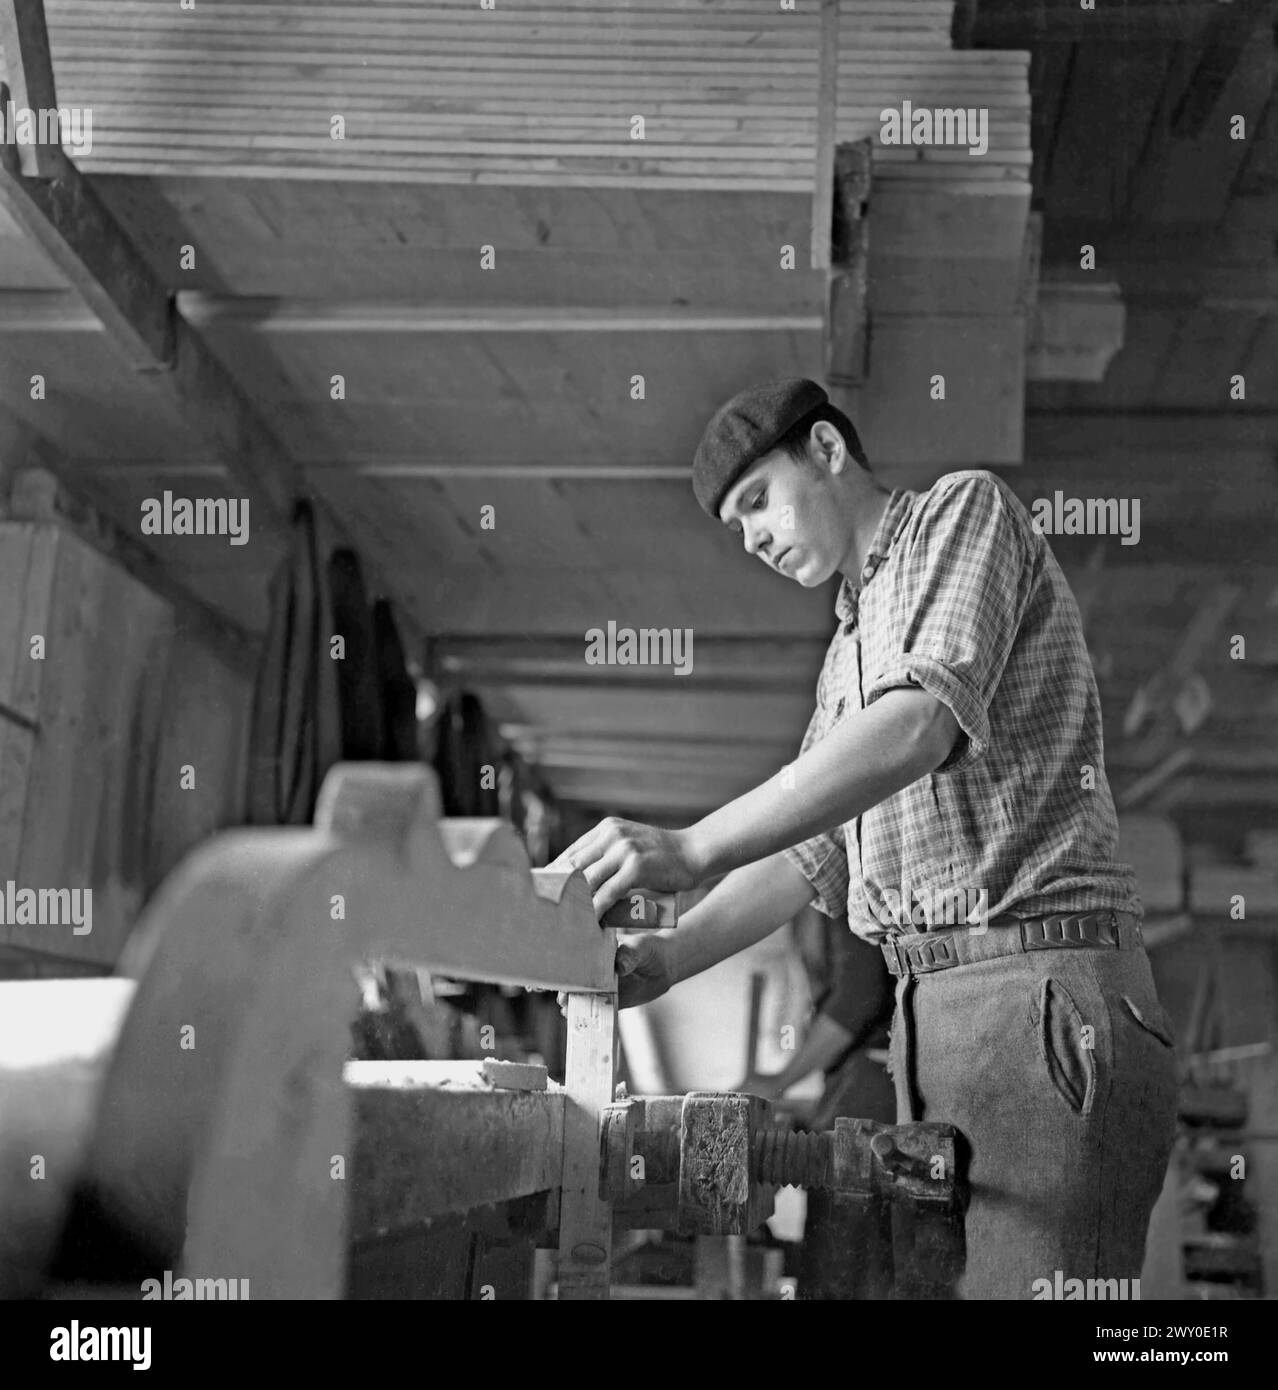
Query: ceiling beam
(718, 663)
(60, 312)
(268, 315)
(65, 217)
(24, 36)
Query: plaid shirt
(961, 596)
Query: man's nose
(756, 538)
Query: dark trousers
(1058, 1068)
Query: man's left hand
(620, 855)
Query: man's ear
(831, 447)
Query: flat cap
(746, 428)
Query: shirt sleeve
(861, 998)
(823, 858)
(963, 591)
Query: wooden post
(827, 114)
(585, 1220)
(25, 40)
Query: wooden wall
(94, 739)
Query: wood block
(514, 1076)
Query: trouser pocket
(1067, 1045)
(1151, 1018)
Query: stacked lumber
(538, 93)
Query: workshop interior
(353, 358)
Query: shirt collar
(899, 504)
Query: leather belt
(921, 953)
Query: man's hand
(769, 1087)
(618, 855)
(645, 970)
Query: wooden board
(585, 1219)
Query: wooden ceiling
(510, 387)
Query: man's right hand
(645, 970)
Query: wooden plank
(25, 41)
(424, 1149)
(513, 1076)
(585, 1219)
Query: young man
(950, 795)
